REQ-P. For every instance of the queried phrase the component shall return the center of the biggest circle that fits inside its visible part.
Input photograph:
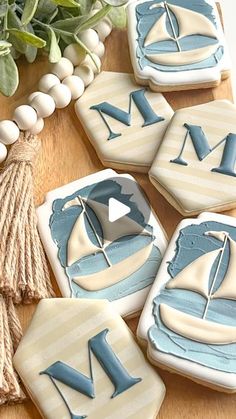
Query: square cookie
(93, 257)
(78, 359)
(189, 319)
(177, 44)
(195, 166)
(124, 123)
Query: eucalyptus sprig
(27, 26)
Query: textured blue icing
(61, 225)
(191, 244)
(146, 19)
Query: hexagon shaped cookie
(195, 165)
(124, 122)
(78, 359)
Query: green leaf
(45, 10)
(14, 22)
(118, 18)
(9, 75)
(29, 11)
(3, 9)
(28, 38)
(93, 20)
(86, 6)
(67, 3)
(4, 45)
(69, 25)
(54, 49)
(31, 51)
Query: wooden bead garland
(24, 274)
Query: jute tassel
(24, 274)
(10, 334)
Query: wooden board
(67, 155)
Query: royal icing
(125, 123)
(78, 359)
(195, 165)
(93, 257)
(176, 42)
(189, 318)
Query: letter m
(138, 97)
(203, 149)
(74, 379)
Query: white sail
(79, 244)
(115, 273)
(158, 32)
(117, 229)
(183, 57)
(199, 330)
(192, 23)
(227, 290)
(195, 277)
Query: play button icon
(116, 210)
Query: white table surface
(229, 15)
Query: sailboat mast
(94, 231)
(172, 25)
(215, 276)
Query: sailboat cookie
(102, 240)
(78, 359)
(195, 165)
(124, 123)
(177, 44)
(189, 319)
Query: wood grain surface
(67, 155)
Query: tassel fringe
(24, 274)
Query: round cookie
(177, 44)
(79, 359)
(124, 123)
(188, 322)
(195, 165)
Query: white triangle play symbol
(117, 210)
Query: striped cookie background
(195, 187)
(60, 330)
(136, 146)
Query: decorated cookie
(124, 123)
(195, 166)
(177, 44)
(102, 240)
(78, 359)
(189, 320)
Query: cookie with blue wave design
(188, 322)
(177, 44)
(102, 239)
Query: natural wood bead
(63, 68)
(89, 62)
(86, 74)
(3, 152)
(25, 117)
(61, 95)
(100, 49)
(74, 53)
(90, 39)
(44, 105)
(38, 127)
(76, 86)
(48, 81)
(32, 96)
(103, 29)
(9, 132)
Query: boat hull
(197, 329)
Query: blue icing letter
(148, 114)
(74, 379)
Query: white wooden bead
(86, 74)
(89, 62)
(9, 132)
(74, 53)
(63, 68)
(48, 81)
(25, 117)
(3, 152)
(43, 104)
(76, 86)
(32, 96)
(38, 127)
(100, 49)
(61, 95)
(103, 29)
(90, 38)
